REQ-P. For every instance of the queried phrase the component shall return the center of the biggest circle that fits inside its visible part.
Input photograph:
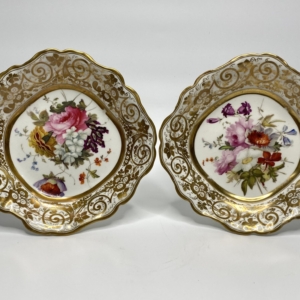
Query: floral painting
(250, 146)
(68, 136)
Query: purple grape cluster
(95, 139)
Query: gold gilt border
(147, 166)
(241, 207)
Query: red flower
(98, 161)
(50, 188)
(82, 177)
(268, 158)
(259, 139)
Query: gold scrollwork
(178, 127)
(225, 212)
(228, 78)
(53, 69)
(98, 205)
(40, 73)
(78, 68)
(266, 73)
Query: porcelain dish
(231, 146)
(74, 141)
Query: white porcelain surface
(242, 153)
(68, 144)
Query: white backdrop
(155, 246)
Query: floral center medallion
(249, 146)
(64, 144)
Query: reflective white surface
(155, 246)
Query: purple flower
(237, 133)
(228, 110)
(228, 160)
(213, 120)
(245, 109)
(51, 186)
(95, 139)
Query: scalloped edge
(180, 99)
(115, 209)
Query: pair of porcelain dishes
(75, 142)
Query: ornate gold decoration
(264, 74)
(53, 69)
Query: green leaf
(251, 182)
(257, 173)
(81, 105)
(44, 116)
(227, 147)
(232, 176)
(61, 107)
(79, 161)
(47, 137)
(244, 186)
(85, 154)
(277, 147)
(57, 160)
(39, 123)
(244, 175)
(33, 116)
(93, 173)
(93, 117)
(51, 175)
(266, 122)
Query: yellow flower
(40, 146)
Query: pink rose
(228, 160)
(59, 123)
(236, 133)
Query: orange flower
(98, 161)
(106, 159)
(82, 177)
(259, 139)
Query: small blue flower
(291, 132)
(19, 160)
(35, 163)
(27, 155)
(286, 141)
(32, 168)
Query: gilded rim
(47, 230)
(173, 114)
